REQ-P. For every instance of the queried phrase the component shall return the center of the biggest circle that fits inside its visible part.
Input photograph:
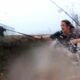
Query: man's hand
(37, 37)
(75, 41)
(41, 37)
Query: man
(67, 34)
(2, 31)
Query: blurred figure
(2, 35)
(67, 34)
(2, 31)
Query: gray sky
(33, 16)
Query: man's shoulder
(56, 34)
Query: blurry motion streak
(65, 12)
(20, 33)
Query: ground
(25, 55)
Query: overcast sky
(34, 16)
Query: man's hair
(68, 23)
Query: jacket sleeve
(55, 35)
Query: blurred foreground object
(2, 31)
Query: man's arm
(48, 37)
(75, 41)
(55, 35)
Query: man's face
(64, 27)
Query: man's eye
(62, 28)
